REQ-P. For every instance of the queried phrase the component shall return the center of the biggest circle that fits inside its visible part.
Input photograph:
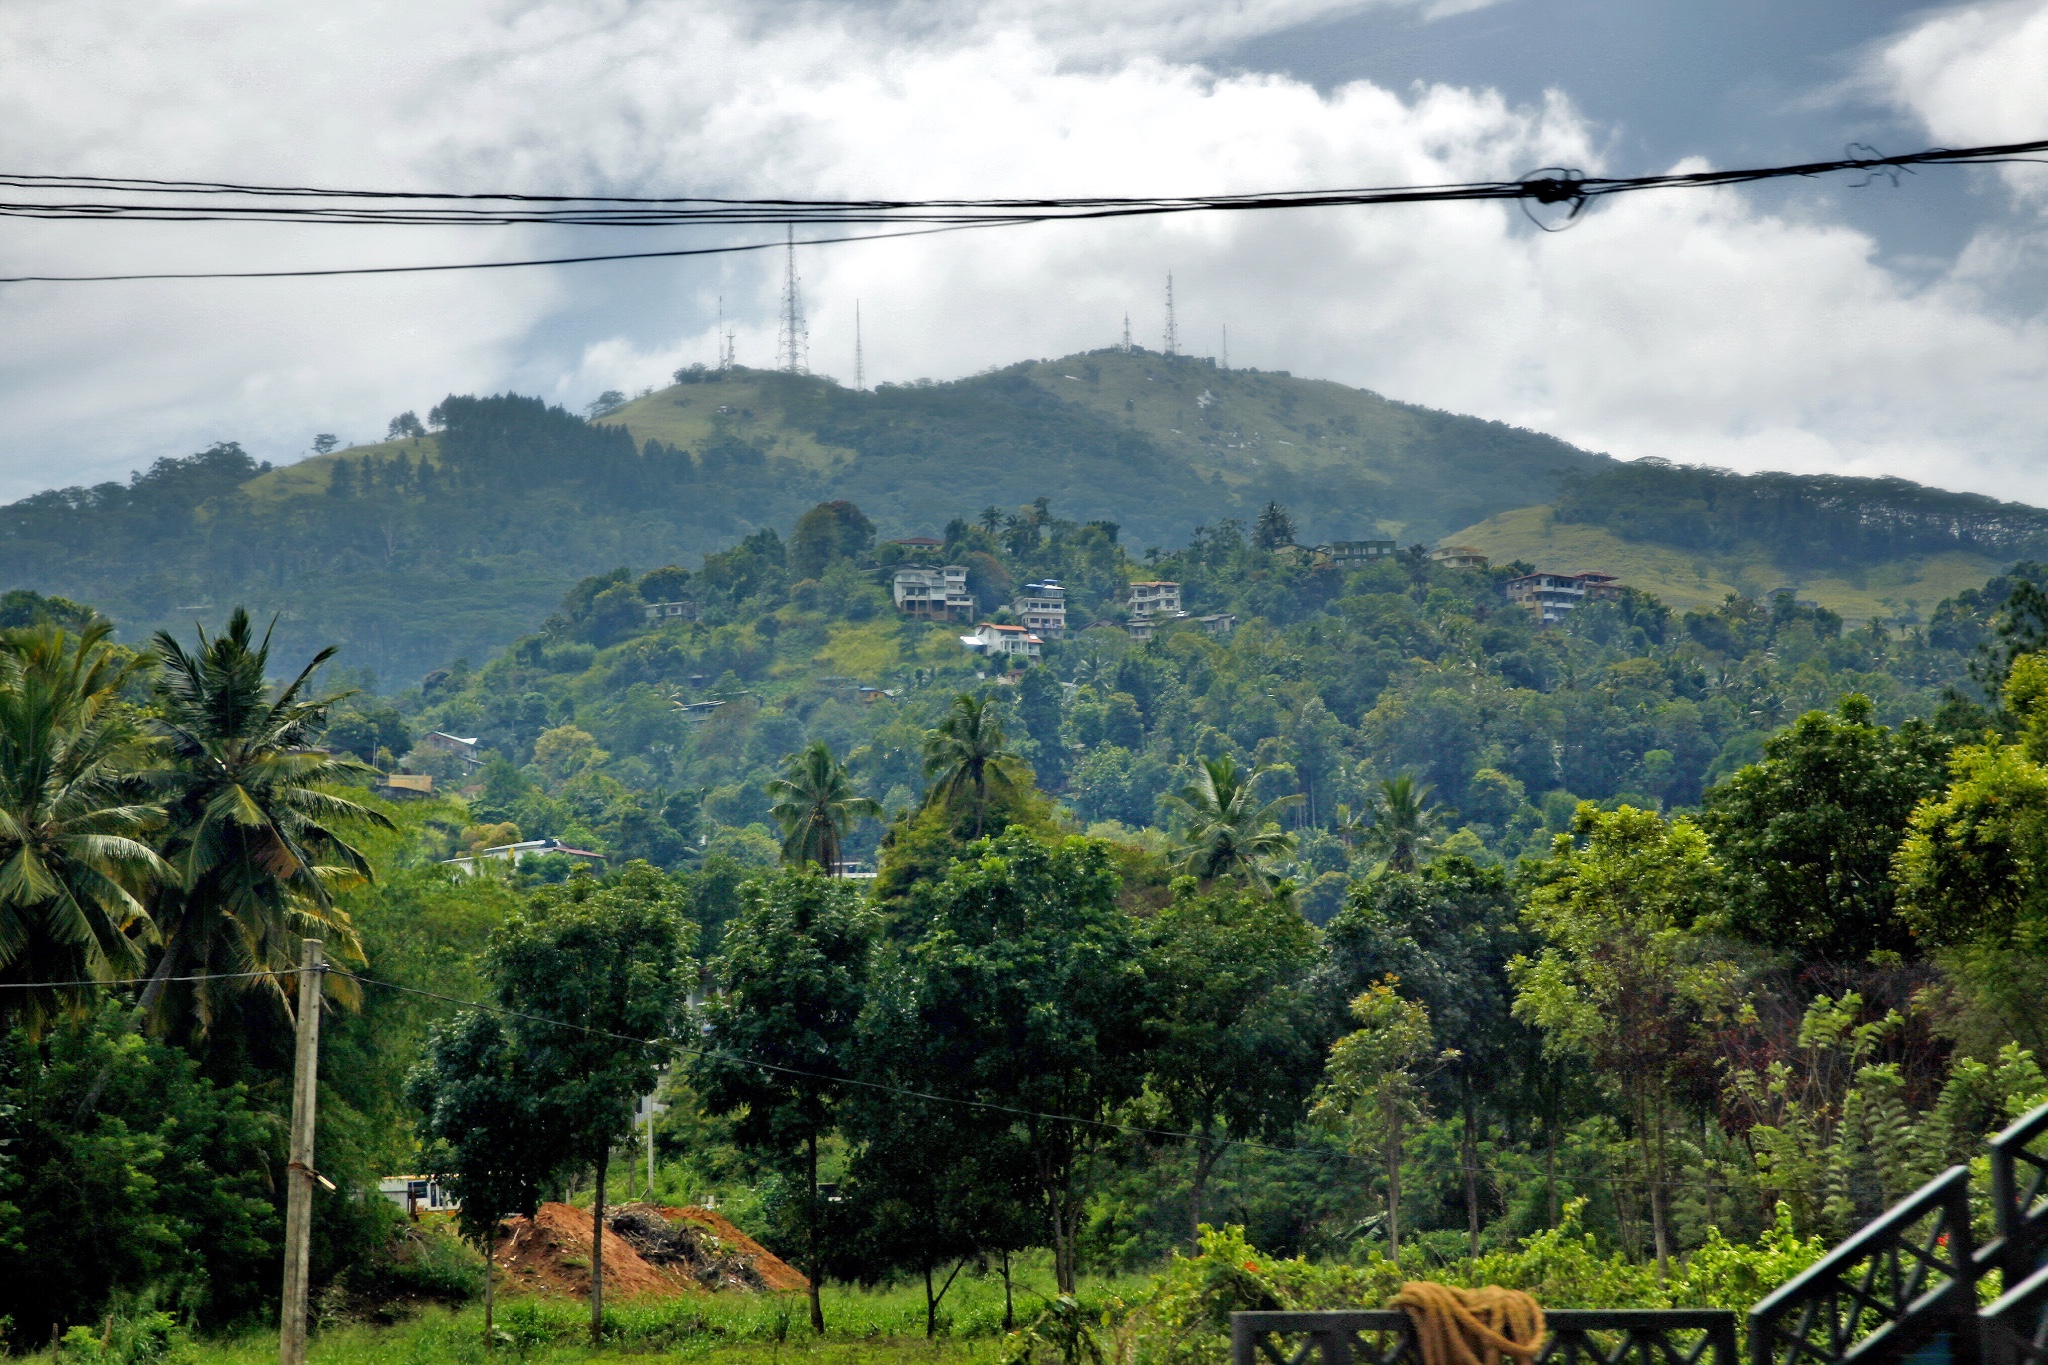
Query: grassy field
(1907, 590)
(863, 1327)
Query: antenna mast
(1226, 345)
(860, 378)
(1127, 334)
(1172, 334)
(792, 347)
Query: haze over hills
(414, 552)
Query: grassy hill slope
(1902, 590)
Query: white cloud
(1690, 326)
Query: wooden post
(298, 1209)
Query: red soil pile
(550, 1254)
(779, 1275)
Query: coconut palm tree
(1404, 821)
(815, 805)
(255, 827)
(1228, 831)
(970, 757)
(73, 864)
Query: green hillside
(413, 553)
(1902, 591)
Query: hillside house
(671, 611)
(1219, 625)
(1003, 642)
(1042, 608)
(934, 594)
(1359, 551)
(1553, 596)
(1154, 599)
(920, 543)
(464, 749)
(517, 853)
(405, 786)
(1457, 557)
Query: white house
(519, 852)
(417, 1194)
(1550, 597)
(1013, 642)
(934, 594)
(1155, 599)
(671, 611)
(464, 749)
(1042, 607)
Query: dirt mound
(550, 1254)
(776, 1275)
(649, 1252)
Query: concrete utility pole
(299, 1172)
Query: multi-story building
(1007, 642)
(1458, 557)
(1553, 596)
(1155, 599)
(934, 594)
(1359, 551)
(1042, 608)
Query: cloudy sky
(1807, 325)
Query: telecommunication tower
(1226, 345)
(726, 350)
(793, 339)
(1128, 348)
(1172, 333)
(860, 378)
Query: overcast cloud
(1697, 327)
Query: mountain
(414, 552)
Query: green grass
(1687, 581)
(863, 1327)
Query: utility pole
(860, 379)
(1172, 333)
(1226, 345)
(299, 1171)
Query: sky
(1811, 325)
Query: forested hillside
(456, 540)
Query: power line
(1552, 186)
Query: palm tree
(1404, 821)
(970, 757)
(73, 864)
(1228, 831)
(815, 805)
(255, 829)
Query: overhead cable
(118, 199)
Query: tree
(406, 424)
(1973, 867)
(1807, 834)
(1404, 821)
(1373, 1087)
(482, 1130)
(583, 972)
(1274, 528)
(1622, 981)
(791, 980)
(1228, 833)
(816, 807)
(968, 756)
(991, 518)
(254, 827)
(1237, 1043)
(605, 404)
(1028, 974)
(829, 532)
(74, 863)
(1038, 706)
(325, 442)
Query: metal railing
(2019, 1199)
(2015, 1327)
(1578, 1336)
(1906, 1280)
